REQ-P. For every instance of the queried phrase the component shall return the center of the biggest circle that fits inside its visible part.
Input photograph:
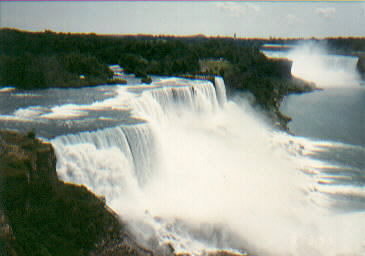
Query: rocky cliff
(41, 215)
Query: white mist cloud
(237, 9)
(327, 12)
(208, 167)
(312, 62)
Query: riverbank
(77, 60)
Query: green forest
(35, 60)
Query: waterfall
(136, 144)
(325, 70)
(221, 90)
(313, 62)
(200, 172)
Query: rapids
(200, 172)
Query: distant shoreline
(39, 60)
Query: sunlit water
(187, 167)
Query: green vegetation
(346, 45)
(46, 216)
(48, 59)
(31, 71)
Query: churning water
(313, 62)
(201, 174)
(185, 166)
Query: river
(185, 166)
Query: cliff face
(41, 215)
(27, 159)
(269, 83)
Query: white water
(312, 62)
(203, 173)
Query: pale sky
(212, 18)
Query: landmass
(37, 60)
(42, 215)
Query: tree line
(32, 60)
(48, 59)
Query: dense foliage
(345, 45)
(48, 59)
(29, 71)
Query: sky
(211, 18)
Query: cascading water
(203, 173)
(315, 64)
(221, 91)
(312, 62)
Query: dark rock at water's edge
(41, 215)
(289, 86)
(146, 80)
(361, 66)
(116, 81)
(269, 83)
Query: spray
(220, 178)
(312, 62)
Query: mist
(313, 62)
(209, 176)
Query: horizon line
(178, 35)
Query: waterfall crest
(137, 143)
(199, 172)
